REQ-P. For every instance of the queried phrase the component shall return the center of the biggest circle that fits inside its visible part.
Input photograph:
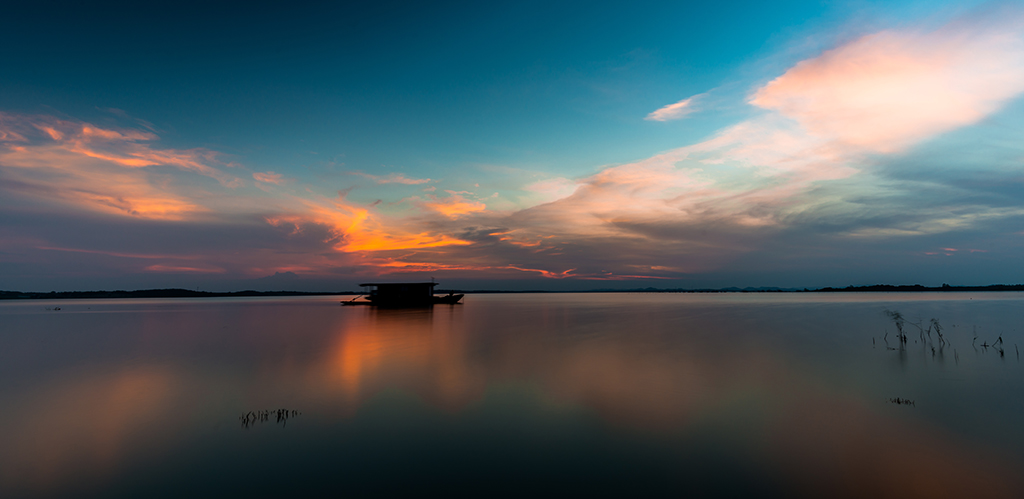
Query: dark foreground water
(572, 394)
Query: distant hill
(151, 293)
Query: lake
(707, 395)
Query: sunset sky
(518, 145)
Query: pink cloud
(269, 177)
(887, 91)
(674, 111)
(880, 93)
(57, 171)
(127, 148)
(188, 270)
(122, 254)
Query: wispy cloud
(180, 269)
(454, 206)
(675, 111)
(95, 168)
(269, 178)
(393, 178)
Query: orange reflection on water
(763, 408)
(419, 350)
(83, 428)
(756, 401)
(828, 445)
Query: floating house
(403, 294)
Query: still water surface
(733, 395)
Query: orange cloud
(455, 206)
(97, 169)
(545, 273)
(61, 176)
(127, 148)
(361, 232)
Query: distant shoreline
(186, 293)
(154, 293)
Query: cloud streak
(269, 178)
(393, 178)
(676, 111)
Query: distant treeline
(151, 293)
(187, 293)
(872, 288)
(918, 287)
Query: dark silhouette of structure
(403, 294)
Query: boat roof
(400, 284)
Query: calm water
(598, 394)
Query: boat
(403, 294)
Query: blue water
(716, 395)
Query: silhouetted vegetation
(928, 341)
(152, 293)
(186, 293)
(918, 287)
(281, 416)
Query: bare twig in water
(898, 321)
(938, 331)
(902, 401)
(250, 418)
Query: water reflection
(768, 409)
(84, 428)
(774, 395)
(419, 350)
(281, 416)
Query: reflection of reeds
(938, 332)
(898, 320)
(902, 401)
(250, 418)
(928, 342)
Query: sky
(511, 145)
